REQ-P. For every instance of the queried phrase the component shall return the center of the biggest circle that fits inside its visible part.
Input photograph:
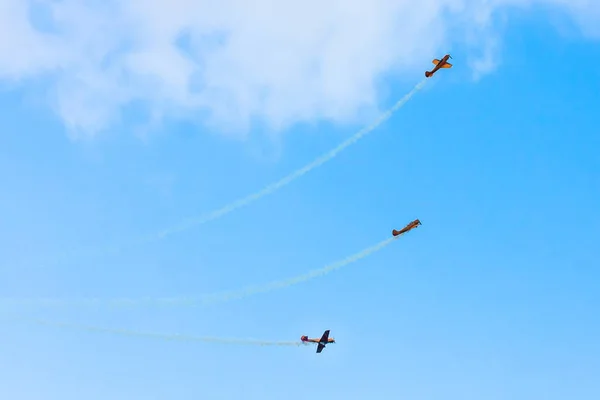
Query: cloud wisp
(232, 64)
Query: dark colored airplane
(407, 228)
(325, 339)
(443, 63)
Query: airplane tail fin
(427, 74)
(395, 232)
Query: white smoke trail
(214, 298)
(294, 175)
(269, 189)
(281, 284)
(177, 337)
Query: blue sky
(494, 296)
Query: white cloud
(230, 63)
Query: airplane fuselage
(306, 340)
(407, 228)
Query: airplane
(443, 63)
(325, 339)
(407, 228)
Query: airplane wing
(320, 347)
(435, 61)
(325, 337)
(447, 65)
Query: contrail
(217, 297)
(276, 185)
(177, 337)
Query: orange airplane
(407, 228)
(439, 64)
(325, 339)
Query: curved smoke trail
(235, 295)
(269, 189)
(177, 337)
(213, 298)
